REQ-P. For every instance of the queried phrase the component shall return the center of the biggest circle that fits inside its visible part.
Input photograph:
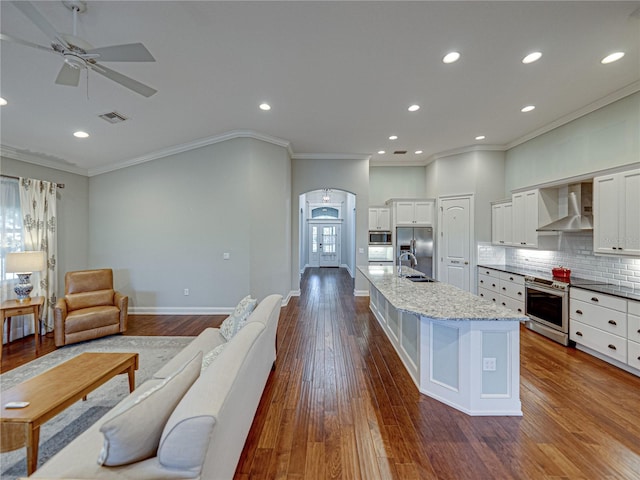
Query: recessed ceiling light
(381, 152)
(612, 58)
(3, 102)
(80, 134)
(451, 57)
(480, 137)
(528, 108)
(393, 137)
(265, 106)
(532, 57)
(414, 108)
(418, 152)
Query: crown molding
(467, 149)
(331, 156)
(184, 147)
(581, 112)
(40, 159)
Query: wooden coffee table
(54, 390)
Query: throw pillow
(133, 434)
(238, 318)
(211, 356)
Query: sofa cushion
(133, 432)
(210, 356)
(209, 339)
(76, 301)
(238, 318)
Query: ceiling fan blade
(9, 38)
(68, 76)
(42, 23)
(123, 80)
(131, 52)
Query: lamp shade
(25, 262)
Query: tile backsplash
(575, 253)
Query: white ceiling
(339, 75)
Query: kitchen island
(459, 348)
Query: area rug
(59, 431)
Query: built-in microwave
(379, 238)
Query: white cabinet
(380, 218)
(412, 213)
(502, 223)
(607, 325)
(532, 209)
(506, 289)
(616, 215)
(633, 335)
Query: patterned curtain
(38, 204)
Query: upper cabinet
(414, 213)
(616, 215)
(380, 218)
(502, 223)
(530, 210)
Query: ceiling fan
(79, 55)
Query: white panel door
(455, 242)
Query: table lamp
(24, 264)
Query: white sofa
(216, 411)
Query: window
(10, 223)
(325, 212)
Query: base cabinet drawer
(488, 294)
(633, 350)
(606, 343)
(612, 321)
(512, 304)
(489, 283)
(633, 328)
(599, 299)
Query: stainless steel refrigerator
(419, 241)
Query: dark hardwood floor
(339, 404)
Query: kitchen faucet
(409, 256)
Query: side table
(13, 308)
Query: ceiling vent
(113, 117)
(400, 152)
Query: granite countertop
(435, 300)
(606, 288)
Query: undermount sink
(419, 278)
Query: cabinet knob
(504, 304)
(493, 284)
(579, 312)
(595, 299)
(612, 347)
(520, 310)
(579, 334)
(504, 288)
(612, 322)
(511, 278)
(520, 293)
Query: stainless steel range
(547, 305)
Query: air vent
(113, 117)
(400, 152)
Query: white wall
(164, 225)
(476, 172)
(348, 175)
(395, 182)
(606, 138)
(72, 209)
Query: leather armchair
(90, 307)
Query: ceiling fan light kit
(79, 54)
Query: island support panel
(453, 361)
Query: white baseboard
(360, 293)
(292, 293)
(180, 310)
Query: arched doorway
(327, 229)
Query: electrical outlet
(489, 364)
(186, 291)
(226, 256)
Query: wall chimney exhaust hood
(579, 211)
